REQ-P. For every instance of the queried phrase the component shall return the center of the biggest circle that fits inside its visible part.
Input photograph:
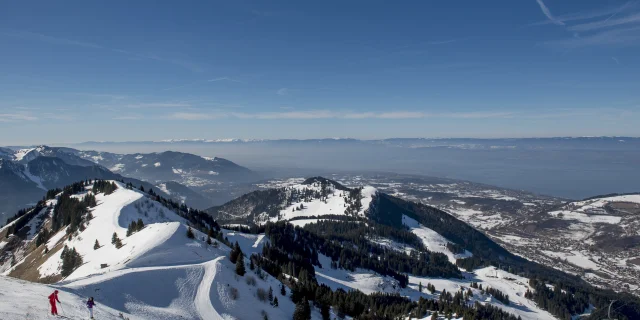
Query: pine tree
(283, 290)
(96, 245)
(71, 260)
(434, 316)
(324, 312)
(420, 287)
(190, 234)
(235, 252)
(302, 311)
(116, 241)
(139, 225)
(275, 301)
(252, 266)
(270, 294)
(131, 229)
(208, 240)
(240, 270)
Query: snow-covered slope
(23, 300)
(433, 240)
(162, 237)
(370, 282)
(313, 198)
(158, 273)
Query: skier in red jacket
(52, 300)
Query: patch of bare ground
(28, 270)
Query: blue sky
(149, 70)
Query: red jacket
(53, 298)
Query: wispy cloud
(62, 41)
(282, 91)
(129, 117)
(615, 60)
(101, 95)
(588, 15)
(59, 116)
(330, 114)
(627, 36)
(547, 13)
(607, 23)
(224, 79)
(15, 117)
(441, 42)
(191, 116)
(159, 105)
(609, 26)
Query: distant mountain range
(461, 143)
(26, 174)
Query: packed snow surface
(23, 300)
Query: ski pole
(61, 308)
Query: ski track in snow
(203, 296)
(202, 301)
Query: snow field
(432, 240)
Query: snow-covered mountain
(27, 173)
(25, 155)
(157, 273)
(188, 169)
(23, 183)
(154, 270)
(304, 200)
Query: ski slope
(23, 300)
(161, 240)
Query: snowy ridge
(113, 214)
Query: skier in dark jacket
(52, 300)
(90, 304)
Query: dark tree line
(360, 233)
(106, 187)
(68, 211)
(23, 218)
(135, 226)
(71, 260)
